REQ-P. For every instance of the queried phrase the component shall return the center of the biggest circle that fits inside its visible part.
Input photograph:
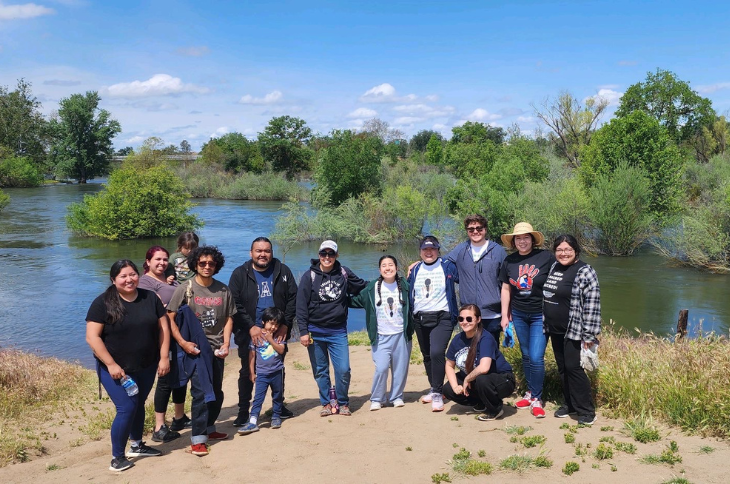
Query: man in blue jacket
(478, 260)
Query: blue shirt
(265, 286)
(487, 348)
(267, 359)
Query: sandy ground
(407, 444)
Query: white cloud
(136, 139)
(424, 111)
(482, 115)
(270, 98)
(362, 113)
(439, 127)
(432, 98)
(409, 120)
(525, 119)
(610, 95)
(379, 94)
(219, 132)
(157, 85)
(26, 10)
(710, 88)
(195, 51)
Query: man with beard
(259, 283)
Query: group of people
(176, 321)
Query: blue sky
(192, 69)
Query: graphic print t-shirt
(487, 348)
(557, 291)
(213, 305)
(180, 263)
(429, 289)
(267, 359)
(265, 287)
(526, 275)
(390, 311)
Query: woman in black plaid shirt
(572, 309)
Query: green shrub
(603, 452)
(620, 210)
(570, 467)
(4, 200)
(19, 172)
(134, 203)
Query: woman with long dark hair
(389, 324)
(484, 376)
(573, 320)
(129, 333)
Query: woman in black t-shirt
(572, 310)
(128, 330)
(523, 274)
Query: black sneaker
(286, 413)
(563, 412)
(182, 423)
(143, 450)
(164, 434)
(586, 419)
(120, 464)
(241, 420)
(480, 407)
(486, 417)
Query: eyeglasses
(564, 251)
(475, 229)
(468, 319)
(327, 253)
(206, 263)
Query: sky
(194, 70)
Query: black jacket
(246, 295)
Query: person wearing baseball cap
(523, 275)
(433, 299)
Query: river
(49, 277)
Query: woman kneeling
(484, 377)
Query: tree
(349, 166)
(284, 144)
(381, 130)
(475, 132)
(235, 152)
(82, 136)
(127, 150)
(185, 148)
(435, 150)
(151, 153)
(135, 203)
(572, 123)
(670, 101)
(421, 139)
(22, 126)
(640, 141)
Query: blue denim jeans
(322, 349)
(533, 341)
(274, 380)
(204, 414)
(129, 421)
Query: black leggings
(433, 342)
(163, 391)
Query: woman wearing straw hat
(523, 274)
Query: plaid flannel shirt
(584, 320)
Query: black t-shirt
(557, 291)
(133, 342)
(526, 274)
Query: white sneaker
(375, 406)
(427, 397)
(398, 402)
(437, 402)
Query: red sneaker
(217, 436)
(525, 402)
(199, 449)
(537, 409)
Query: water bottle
(129, 385)
(333, 400)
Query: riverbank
(409, 444)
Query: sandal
(326, 411)
(345, 410)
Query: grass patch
(464, 464)
(570, 467)
(603, 452)
(300, 366)
(438, 478)
(706, 449)
(521, 463)
(610, 439)
(533, 441)
(669, 456)
(676, 480)
(569, 438)
(98, 424)
(34, 389)
(358, 338)
(53, 467)
(517, 430)
(607, 428)
(626, 447)
(642, 430)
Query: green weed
(603, 452)
(570, 467)
(533, 441)
(626, 447)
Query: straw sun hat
(523, 228)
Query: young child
(267, 370)
(186, 242)
(390, 328)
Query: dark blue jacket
(452, 277)
(479, 281)
(183, 365)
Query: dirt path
(407, 444)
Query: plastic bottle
(129, 385)
(333, 400)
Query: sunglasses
(475, 229)
(206, 263)
(468, 319)
(327, 253)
